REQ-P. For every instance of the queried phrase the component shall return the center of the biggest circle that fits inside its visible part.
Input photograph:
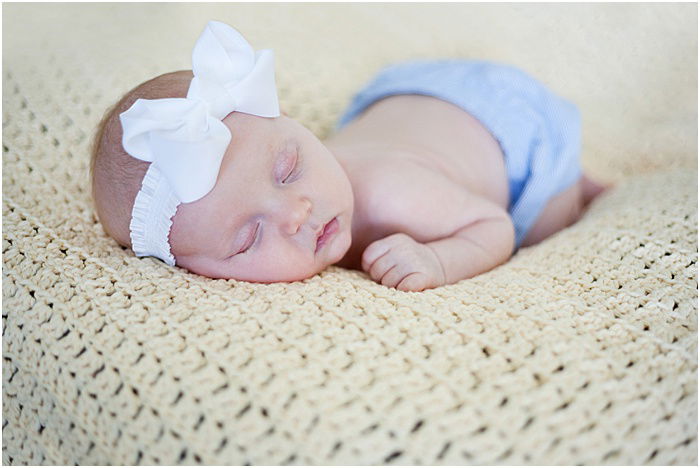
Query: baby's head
(276, 188)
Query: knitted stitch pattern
(579, 350)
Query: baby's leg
(564, 209)
(590, 189)
(561, 211)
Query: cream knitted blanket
(580, 350)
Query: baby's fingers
(373, 252)
(395, 276)
(382, 267)
(414, 282)
(378, 248)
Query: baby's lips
(329, 230)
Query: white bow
(185, 139)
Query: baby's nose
(297, 215)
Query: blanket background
(582, 349)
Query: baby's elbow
(500, 238)
(509, 238)
(503, 240)
(494, 236)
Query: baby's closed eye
(251, 240)
(289, 169)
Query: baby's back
(414, 161)
(538, 132)
(437, 134)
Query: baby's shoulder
(393, 183)
(410, 196)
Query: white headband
(185, 139)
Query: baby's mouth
(327, 233)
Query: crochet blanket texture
(580, 350)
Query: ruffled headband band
(185, 139)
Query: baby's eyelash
(252, 243)
(295, 169)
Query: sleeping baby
(438, 171)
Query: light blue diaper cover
(539, 132)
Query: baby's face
(277, 188)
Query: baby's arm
(476, 248)
(401, 262)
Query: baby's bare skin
(415, 187)
(424, 167)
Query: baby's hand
(400, 262)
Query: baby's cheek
(287, 266)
